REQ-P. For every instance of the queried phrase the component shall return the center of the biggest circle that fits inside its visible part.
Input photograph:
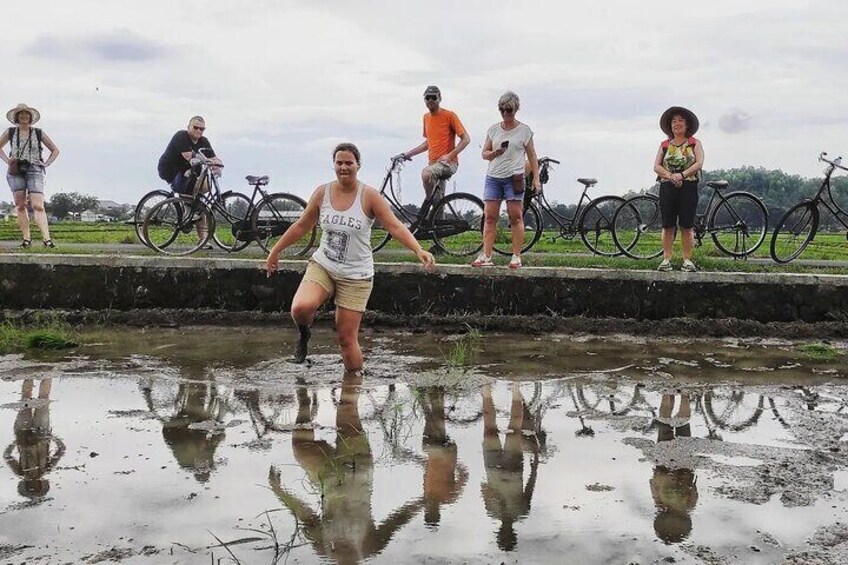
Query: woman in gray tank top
(343, 266)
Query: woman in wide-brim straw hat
(26, 174)
(678, 161)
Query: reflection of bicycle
(736, 222)
(593, 222)
(797, 228)
(232, 219)
(729, 412)
(454, 222)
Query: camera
(23, 166)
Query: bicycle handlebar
(203, 159)
(837, 163)
(544, 160)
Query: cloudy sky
(281, 81)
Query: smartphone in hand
(505, 144)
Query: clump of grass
(53, 337)
(464, 351)
(819, 351)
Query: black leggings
(678, 205)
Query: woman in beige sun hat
(26, 169)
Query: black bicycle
(736, 222)
(592, 222)
(797, 228)
(232, 219)
(453, 222)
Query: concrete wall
(124, 283)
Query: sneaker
(665, 266)
(688, 266)
(49, 243)
(25, 244)
(482, 261)
(515, 262)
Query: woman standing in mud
(343, 265)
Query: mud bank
(671, 327)
(404, 290)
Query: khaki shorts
(351, 294)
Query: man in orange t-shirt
(441, 128)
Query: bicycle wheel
(273, 216)
(144, 205)
(595, 225)
(738, 224)
(637, 227)
(380, 237)
(795, 230)
(178, 226)
(458, 224)
(232, 222)
(532, 231)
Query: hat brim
(13, 113)
(692, 123)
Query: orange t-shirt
(441, 131)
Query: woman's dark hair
(347, 147)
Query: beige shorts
(351, 294)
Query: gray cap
(433, 90)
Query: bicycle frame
(419, 221)
(830, 203)
(564, 223)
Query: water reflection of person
(194, 449)
(343, 528)
(505, 495)
(33, 438)
(444, 476)
(675, 491)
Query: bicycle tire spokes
(177, 226)
(637, 227)
(273, 216)
(738, 224)
(794, 232)
(596, 225)
(457, 224)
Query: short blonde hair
(509, 98)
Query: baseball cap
(432, 90)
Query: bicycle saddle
(588, 183)
(261, 181)
(718, 184)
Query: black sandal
(25, 244)
(49, 243)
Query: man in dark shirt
(174, 164)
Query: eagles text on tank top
(345, 249)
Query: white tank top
(345, 249)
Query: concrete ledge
(131, 282)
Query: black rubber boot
(302, 344)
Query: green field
(547, 251)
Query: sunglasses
(198, 128)
(506, 109)
(431, 97)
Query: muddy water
(155, 446)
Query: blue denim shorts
(32, 182)
(500, 189)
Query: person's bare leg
(39, 215)
(515, 210)
(23, 214)
(668, 243)
(687, 239)
(491, 209)
(308, 298)
(347, 334)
